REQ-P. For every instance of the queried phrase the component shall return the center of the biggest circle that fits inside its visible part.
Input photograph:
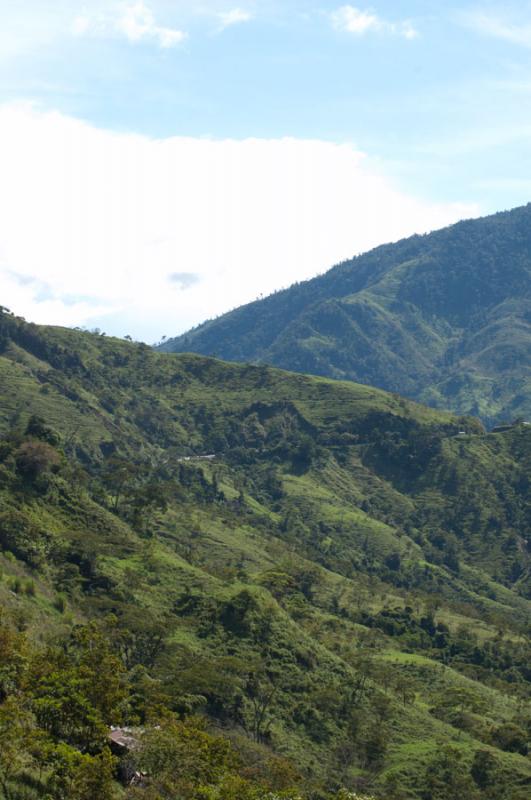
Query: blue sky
(428, 102)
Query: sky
(164, 161)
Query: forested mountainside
(443, 318)
(284, 586)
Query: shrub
(38, 429)
(60, 603)
(20, 536)
(36, 458)
(511, 738)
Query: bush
(483, 769)
(36, 458)
(38, 429)
(60, 603)
(511, 738)
(20, 536)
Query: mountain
(443, 318)
(283, 586)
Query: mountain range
(443, 318)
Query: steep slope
(341, 591)
(443, 318)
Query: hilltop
(443, 318)
(290, 584)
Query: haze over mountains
(443, 318)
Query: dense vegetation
(338, 601)
(443, 318)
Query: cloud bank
(148, 237)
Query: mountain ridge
(443, 318)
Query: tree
(405, 688)
(78, 776)
(393, 562)
(120, 475)
(363, 663)
(38, 429)
(74, 694)
(36, 458)
(447, 777)
(214, 683)
(22, 537)
(304, 453)
(138, 636)
(261, 691)
(102, 672)
(483, 769)
(375, 741)
(181, 758)
(64, 711)
(17, 734)
(147, 498)
(13, 653)
(95, 778)
(454, 701)
(511, 738)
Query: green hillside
(287, 586)
(444, 319)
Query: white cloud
(135, 21)
(149, 237)
(233, 17)
(138, 22)
(498, 27)
(354, 20)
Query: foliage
(326, 605)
